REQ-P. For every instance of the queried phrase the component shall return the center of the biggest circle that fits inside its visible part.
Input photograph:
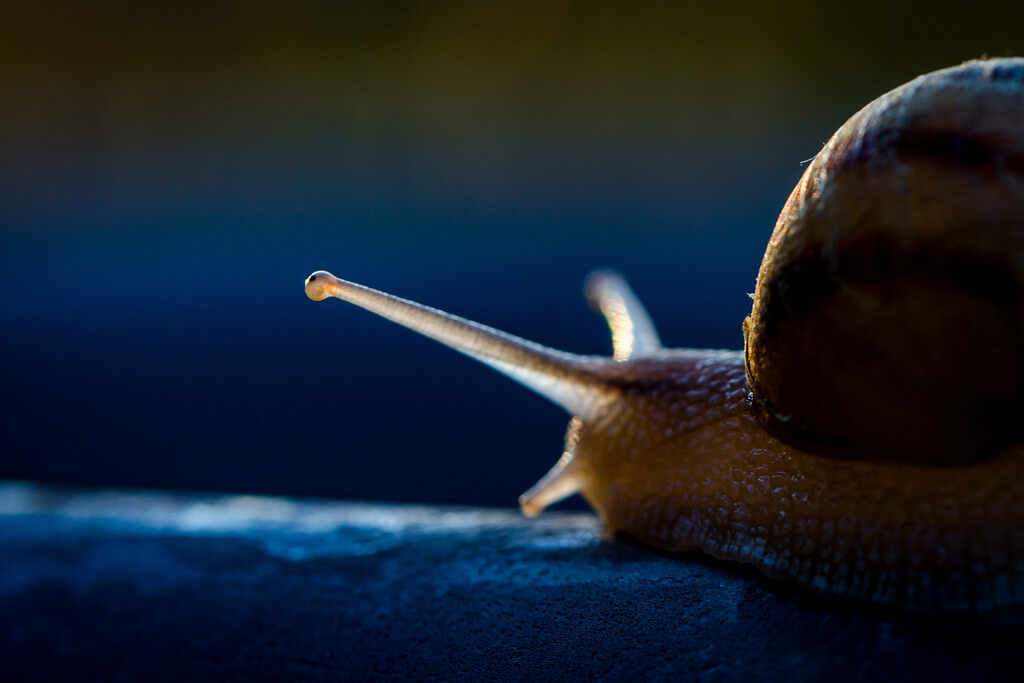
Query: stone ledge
(145, 586)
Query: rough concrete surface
(155, 586)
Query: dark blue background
(168, 179)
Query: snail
(868, 442)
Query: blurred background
(169, 176)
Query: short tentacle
(561, 481)
(633, 332)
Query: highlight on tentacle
(569, 380)
(633, 332)
(561, 481)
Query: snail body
(868, 442)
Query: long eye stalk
(568, 380)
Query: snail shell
(868, 443)
(889, 313)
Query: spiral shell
(888, 318)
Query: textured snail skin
(680, 461)
(868, 443)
